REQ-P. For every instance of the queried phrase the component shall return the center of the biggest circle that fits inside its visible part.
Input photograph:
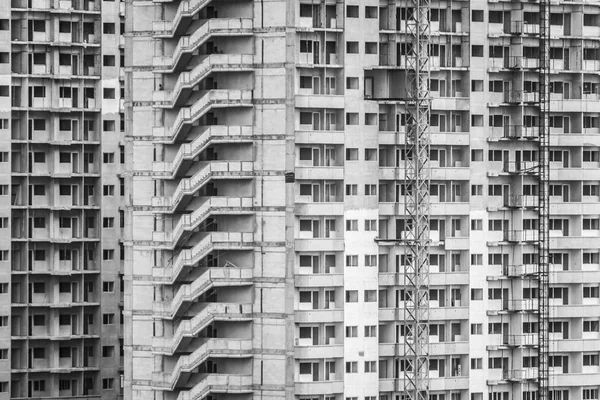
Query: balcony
(319, 351)
(218, 383)
(521, 167)
(190, 328)
(211, 170)
(320, 173)
(186, 365)
(521, 236)
(213, 205)
(521, 201)
(190, 257)
(530, 339)
(520, 96)
(217, 98)
(214, 134)
(212, 63)
(520, 270)
(318, 387)
(186, 11)
(514, 132)
(212, 278)
(188, 44)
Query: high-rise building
(267, 233)
(61, 187)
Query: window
(351, 190)
(370, 296)
(64, 157)
(108, 126)
(477, 86)
(495, 225)
(370, 190)
(590, 156)
(351, 83)
(351, 331)
(352, 225)
(39, 352)
(306, 11)
(370, 154)
(370, 366)
(371, 118)
(476, 294)
(108, 383)
(39, 255)
(306, 82)
(370, 225)
(38, 386)
(370, 331)
(476, 155)
(476, 363)
(476, 259)
(590, 394)
(351, 296)
(108, 222)
(476, 224)
(306, 46)
(108, 254)
(108, 61)
(591, 190)
(591, 360)
(591, 292)
(108, 158)
(351, 261)
(108, 286)
(352, 47)
(476, 190)
(4, 123)
(370, 47)
(39, 287)
(64, 384)
(108, 93)
(39, 157)
(591, 326)
(108, 190)
(476, 329)
(495, 17)
(351, 118)
(477, 15)
(3, 288)
(370, 260)
(108, 351)
(4, 255)
(351, 154)
(64, 287)
(351, 11)
(351, 367)
(39, 25)
(477, 50)
(108, 319)
(3, 354)
(108, 28)
(591, 224)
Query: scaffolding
(417, 141)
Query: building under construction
(61, 188)
(362, 199)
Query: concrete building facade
(265, 141)
(61, 187)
